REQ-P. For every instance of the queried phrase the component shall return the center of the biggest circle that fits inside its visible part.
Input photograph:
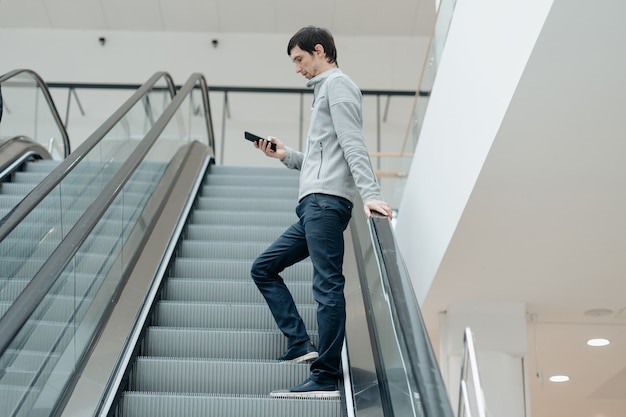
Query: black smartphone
(254, 138)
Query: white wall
(488, 45)
(239, 59)
(259, 60)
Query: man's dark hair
(307, 37)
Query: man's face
(308, 65)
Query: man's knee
(256, 272)
(261, 269)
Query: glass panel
(32, 242)
(391, 355)
(27, 113)
(63, 326)
(394, 374)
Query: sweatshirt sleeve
(345, 109)
(294, 159)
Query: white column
(500, 339)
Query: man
(334, 169)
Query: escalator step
(223, 316)
(267, 206)
(219, 232)
(215, 343)
(15, 398)
(215, 376)
(39, 341)
(10, 288)
(28, 360)
(221, 250)
(252, 181)
(260, 192)
(222, 291)
(90, 263)
(214, 269)
(244, 218)
(139, 404)
(245, 171)
(41, 165)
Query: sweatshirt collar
(321, 77)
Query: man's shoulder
(337, 77)
(337, 74)
(341, 87)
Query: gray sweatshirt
(335, 160)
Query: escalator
(49, 332)
(174, 325)
(27, 249)
(211, 343)
(48, 320)
(31, 173)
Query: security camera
(214, 42)
(102, 40)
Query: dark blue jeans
(318, 234)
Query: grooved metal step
(237, 269)
(249, 191)
(221, 250)
(224, 315)
(183, 342)
(252, 180)
(163, 404)
(215, 376)
(233, 233)
(244, 218)
(222, 291)
(266, 206)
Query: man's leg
(325, 219)
(289, 248)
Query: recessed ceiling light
(598, 342)
(559, 378)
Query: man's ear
(319, 49)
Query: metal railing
(471, 396)
(10, 78)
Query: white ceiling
(344, 17)
(590, 226)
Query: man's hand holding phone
(271, 146)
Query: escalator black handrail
(46, 93)
(20, 211)
(204, 89)
(425, 370)
(25, 305)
